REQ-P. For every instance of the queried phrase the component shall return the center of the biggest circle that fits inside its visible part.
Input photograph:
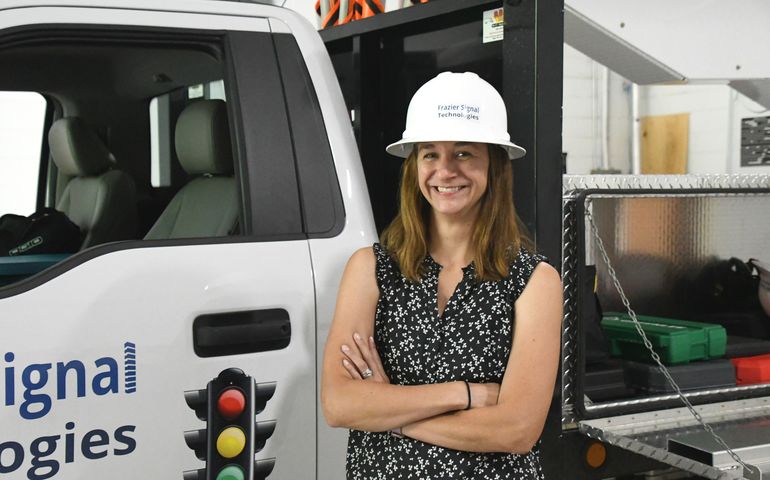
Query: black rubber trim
(580, 408)
(45, 151)
(45, 35)
(240, 167)
(290, 127)
(264, 141)
(82, 257)
(322, 205)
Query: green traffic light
(231, 472)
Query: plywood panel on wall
(664, 143)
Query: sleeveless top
(471, 341)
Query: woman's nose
(446, 165)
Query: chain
(649, 346)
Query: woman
(421, 362)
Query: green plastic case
(676, 341)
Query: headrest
(76, 150)
(202, 138)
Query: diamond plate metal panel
(652, 403)
(648, 433)
(660, 454)
(569, 324)
(663, 182)
(663, 246)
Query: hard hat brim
(403, 147)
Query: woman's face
(453, 176)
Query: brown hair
(496, 237)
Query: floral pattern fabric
(470, 341)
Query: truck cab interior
(133, 139)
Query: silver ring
(367, 373)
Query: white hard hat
(456, 107)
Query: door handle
(232, 333)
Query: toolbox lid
(676, 341)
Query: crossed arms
(508, 417)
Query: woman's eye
(429, 156)
(463, 154)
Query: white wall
(580, 130)
(708, 106)
(581, 125)
(715, 123)
(306, 8)
(714, 130)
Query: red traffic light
(231, 403)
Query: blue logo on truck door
(129, 362)
(42, 383)
(34, 389)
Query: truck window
(22, 118)
(155, 123)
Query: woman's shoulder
(371, 258)
(361, 264)
(363, 255)
(385, 265)
(369, 255)
(526, 258)
(381, 254)
(523, 266)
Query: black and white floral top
(471, 341)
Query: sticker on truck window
(493, 24)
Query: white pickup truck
(204, 248)
(204, 151)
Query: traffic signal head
(229, 405)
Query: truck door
(99, 346)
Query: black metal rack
(382, 60)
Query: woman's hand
(363, 356)
(362, 361)
(373, 404)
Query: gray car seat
(207, 206)
(98, 198)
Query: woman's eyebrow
(424, 146)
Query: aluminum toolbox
(676, 341)
(752, 370)
(659, 232)
(692, 376)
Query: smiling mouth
(449, 189)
